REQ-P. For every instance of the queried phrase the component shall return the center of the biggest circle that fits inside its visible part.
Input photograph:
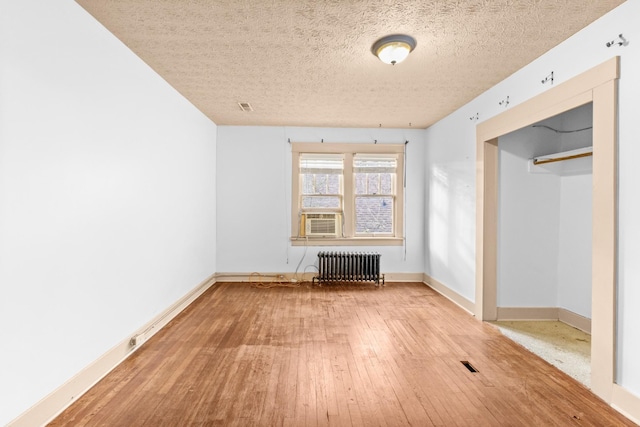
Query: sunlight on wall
(451, 231)
(439, 206)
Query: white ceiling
(308, 62)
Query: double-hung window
(374, 193)
(321, 180)
(347, 194)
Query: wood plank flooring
(352, 355)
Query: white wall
(450, 157)
(450, 206)
(574, 254)
(254, 198)
(529, 215)
(576, 199)
(107, 196)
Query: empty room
(312, 213)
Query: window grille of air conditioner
(321, 224)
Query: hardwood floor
(334, 356)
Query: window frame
(349, 236)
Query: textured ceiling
(308, 62)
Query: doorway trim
(597, 85)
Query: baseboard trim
(451, 295)
(303, 277)
(575, 320)
(527, 313)
(546, 313)
(57, 401)
(262, 277)
(625, 402)
(403, 277)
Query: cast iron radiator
(349, 267)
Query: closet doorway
(597, 86)
(544, 239)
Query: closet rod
(559, 159)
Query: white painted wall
(254, 198)
(528, 217)
(107, 196)
(450, 157)
(574, 254)
(450, 206)
(576, 199)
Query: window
(321, 185)
(374, 177)
(347, 194)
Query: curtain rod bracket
(621, 41)
(547, 79)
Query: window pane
(320, 184)
(372, 183)
(332, 202)
(307, 184)
(361, 183)
(374, 214)
(333, 184)
(386, 182)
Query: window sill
(353, 241)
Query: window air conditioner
(325, 224)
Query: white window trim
(350, 238)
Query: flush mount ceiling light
(393, 49)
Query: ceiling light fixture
(393, 49)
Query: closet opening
(545, 173)
(598, 87)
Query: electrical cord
(257, 280)
(304, 254)
(562, 131)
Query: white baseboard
(57, 401)
(545, 313)
(303, 277)
(453, 296)
(625, 402)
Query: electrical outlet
(136, 340)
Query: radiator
(349, 267)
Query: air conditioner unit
(325, 224)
